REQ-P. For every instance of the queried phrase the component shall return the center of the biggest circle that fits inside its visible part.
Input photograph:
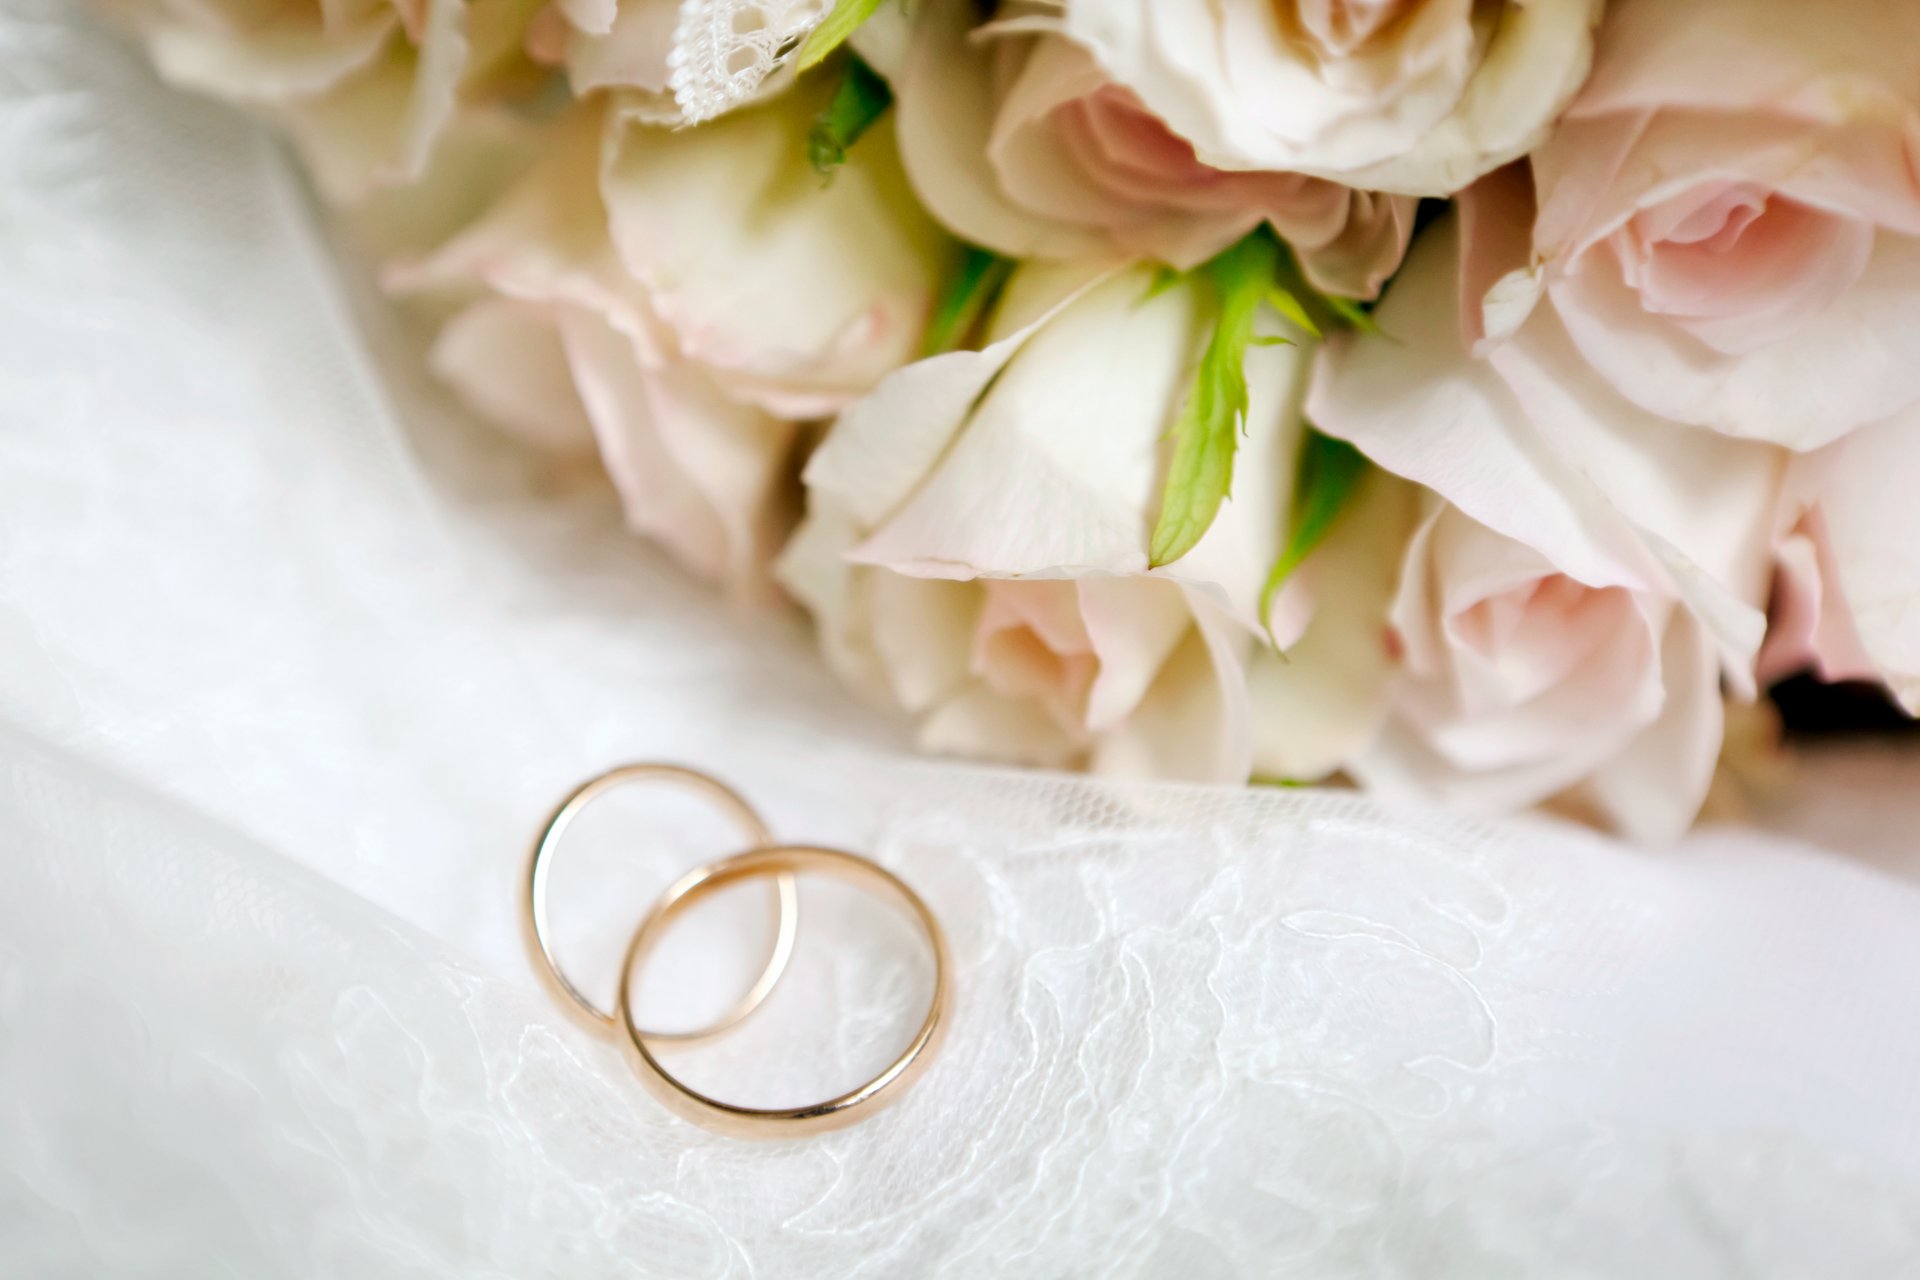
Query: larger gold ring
(538, 930)
(778, 1122)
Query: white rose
(976, 545)
(367, 88)
(685, 299)
(1412, 96)
(1023, 144)
(1603, 569)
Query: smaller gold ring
(778, 1122)
(539, 932)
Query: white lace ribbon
(725, 51)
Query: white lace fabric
(724, 51)
(292, 659)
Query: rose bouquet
(1468, 398)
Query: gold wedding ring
(782, 864)
(539, 930)
(785, 862)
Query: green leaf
(861, 98)
(833, 31)
(974, 286)
(1329, 471)
(1207, 431)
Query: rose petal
(1423, 114)
(1499, 286)
(983, 725)
(797, 298)
(1456, 737)
(1323, 699)
(291, 65)
(506, 360)
(1132, 627)
(921, 631)
(596, 17)
(1811, 627)
(1056, 473)
(1195, 724)
(1532, 444)
(1873, 528)
(696, 471)
(379, 126)
(631, 49)
(945, 114)
(1653, 789)
(1852, 367)
(1835, 62)
(1414, 402)
(883, 446)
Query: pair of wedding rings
(762, 859)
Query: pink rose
(633, 293)
(1569, 617)
(1023, 144)
(1522, 684)
(1730, 217)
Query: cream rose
(1117, 675)
(367, 88)
(1591, 555)
(1418, 97)
(634, 293)
(1729, 218)
(975, 550)
(1023, 144)
(1322, 702)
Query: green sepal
(1329, 471)
(1164, 278)
(1206, 434)
(860, 99)
(1355, 315)
(1258, 269)
(1288, 304)
(969, 293)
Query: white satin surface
(292, 659)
